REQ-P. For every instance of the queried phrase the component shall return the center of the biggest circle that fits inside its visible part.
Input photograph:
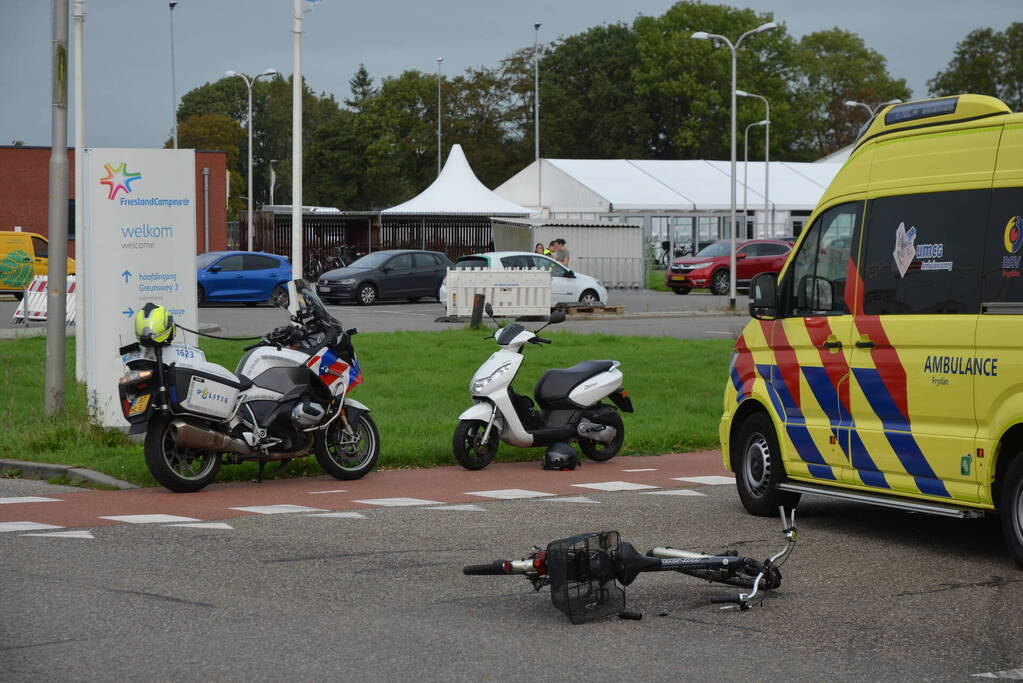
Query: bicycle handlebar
(494, 568)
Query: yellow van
(23, 255)
(884, 363)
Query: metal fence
(614, 272)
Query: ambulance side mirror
(763, 294)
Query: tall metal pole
(248, 215)
(56, 305)
(768, 219)
(296, 143)
(536, 115)
(80, 239)
(174, 89)
(439, 60)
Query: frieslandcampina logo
(118, 179)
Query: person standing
(562, 255)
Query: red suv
(709, 268)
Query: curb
(42, 470)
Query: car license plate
(678, 278)
(139, 405)
(323, 289)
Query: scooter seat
(555, 385)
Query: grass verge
(416, 386)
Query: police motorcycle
(568, 406)
(287, 397)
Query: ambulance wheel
(1011, 508)
(756, 461)
(469, 452)
(176, 467)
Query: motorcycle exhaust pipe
(190, 436)
(596, 432)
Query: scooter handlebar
(540, 340)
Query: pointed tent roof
(457, 190)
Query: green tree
(832, 67)
(361, 87)
(985, 62)
(217, 132)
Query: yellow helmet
(154, 325)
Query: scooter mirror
(489, 309)
(556, 317)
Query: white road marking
(80, 533)
(571, 499)
(615, 486)
(28, 499)
(150, 519)
(203, 525)
(26, 526)
(1008, 674)
(712, 480)
(277, 509)
(463, 507)
(397, 502)
(643, 469)
(673, 492)
(330, 491)
(508, 494)
(339, 515)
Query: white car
(566, 285)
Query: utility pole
(174, 88)
(439, 60)
(56, 304)
(80, 239)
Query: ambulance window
(923, 253)
(1002, 279)
(816, 283)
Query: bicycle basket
(582, 573)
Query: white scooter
(569, 402)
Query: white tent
(457, 190)
(602, 186)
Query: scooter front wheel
(469, 451)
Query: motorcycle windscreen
(582, 572)
(301, 295)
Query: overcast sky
(128, 72)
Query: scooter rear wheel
(469, 452)
(600, 451)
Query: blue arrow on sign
(128, 312)
(126, 274)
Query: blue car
(242, 276)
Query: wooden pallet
(590, 310)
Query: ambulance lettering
(961, 365)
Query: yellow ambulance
(23, 255)
(884, 363)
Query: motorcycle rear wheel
(469, 453)
(346, 456)
(184, 470)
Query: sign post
(140, 228)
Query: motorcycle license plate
(678, 278)
(139, 405)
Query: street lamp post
(536, 90)
(767, 159)
(439, 60)
(871, 110)
(745, 166)
(174, 89)
(249, 82)
(703, 35)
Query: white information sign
(140, 248)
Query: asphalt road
(869, 594)
(647, 313)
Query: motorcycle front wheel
(348, 455)
(469, 452)
(180, 469)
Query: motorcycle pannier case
(203, 391)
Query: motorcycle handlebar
(541, 340)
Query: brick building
(24, 194)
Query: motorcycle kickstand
(259, 474)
